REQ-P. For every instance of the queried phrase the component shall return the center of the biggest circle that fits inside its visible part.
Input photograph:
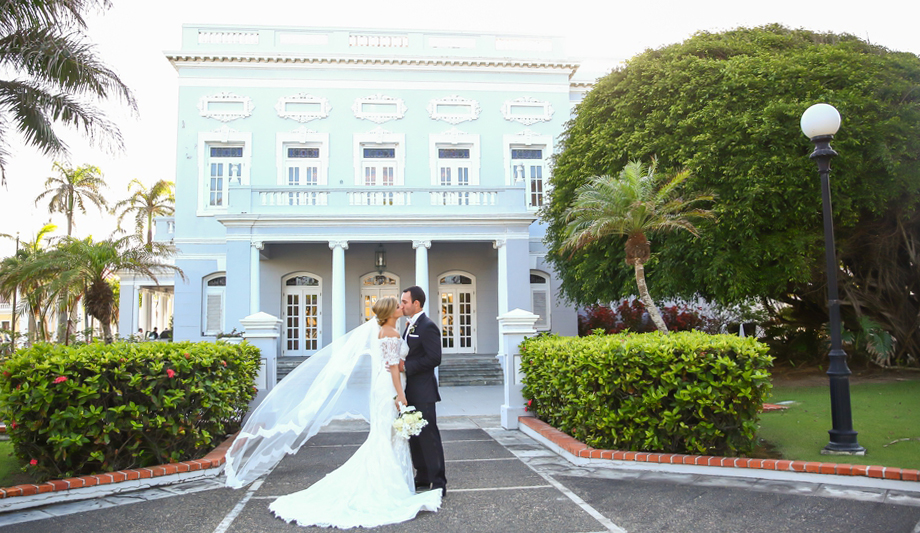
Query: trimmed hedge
(75, 411)
(686, 392)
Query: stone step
(455, 370)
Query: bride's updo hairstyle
(384, 309)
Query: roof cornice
(178, 59)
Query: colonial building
(320, 169)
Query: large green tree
(49, 75)
(726, 106)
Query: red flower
(170, 372)
(60, 379)
(6, 374)
(33, 462)
(13, 425)
(529, 403)
(186, 355)
(223, 363)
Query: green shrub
(74, 411)
(686, 392)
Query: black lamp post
(820, 122)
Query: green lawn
(10, 469)
(882, 414)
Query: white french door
(301, 316)
(457, 298)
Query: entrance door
(457, 296)
(301, 315)
(375, 286)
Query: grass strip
(885, 415)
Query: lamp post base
(860, 451)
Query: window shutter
(214, 317)
(540, 307)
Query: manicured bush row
(74, 411)
(686, 392)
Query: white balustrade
(289, 197)
(464, 197)
(228, 37)
(380, 198)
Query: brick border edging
(216, 458)
(579, 449)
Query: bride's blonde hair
(384, 309)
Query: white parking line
(238, 508)
(487, 489)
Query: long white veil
(333, 383)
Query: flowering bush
(631, 315)
(74, 411)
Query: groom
(424, 339)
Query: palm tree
(19, 272)
(68, 193)
(636, 202)
(145, 204)
(90, 265)
(49, 75)
(71, 189)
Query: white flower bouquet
(409, 423)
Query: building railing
(423, 199)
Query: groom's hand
(402, 366)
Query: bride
(357, 376)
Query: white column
(338, 287)
(263, 331)
(421, 269)
(255, 289)
(144, 316)
(499, 245)
(513, 327)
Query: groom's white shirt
(412, 320)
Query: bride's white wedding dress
(376, 485)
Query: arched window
(212, 309)
(375, 286)
(540, 299)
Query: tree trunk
(647, 299)
(107, 332)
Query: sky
(133, 36)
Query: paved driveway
(502, 481)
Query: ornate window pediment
(454, 109)
(379, 108)
(303, 107)
(527, 110)
(225, 106)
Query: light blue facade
(302, 153)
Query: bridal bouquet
(409, 423)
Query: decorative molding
(303, 116)
(303, 133)
(455, 101)
(224, 133)
(498, 243)
(244, 111)
(338, 244)
(417, 244)
(545, 114)
(397, 104)
(228, 37)
(258, 245)
(360, 62)
(528, 137)
(380, 135)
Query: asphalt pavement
(500, 480)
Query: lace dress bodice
(393, 349)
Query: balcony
(313, 200)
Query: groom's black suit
(424, 340)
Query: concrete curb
(582, 454)
(95, 486)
